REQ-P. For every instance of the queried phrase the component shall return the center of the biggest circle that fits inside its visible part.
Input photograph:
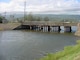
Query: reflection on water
(25, 45)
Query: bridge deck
(50, 23)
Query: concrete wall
(78, 30)
(9, 26)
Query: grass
(1, 29)
(68, 53)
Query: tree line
(31, 17)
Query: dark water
(26, 45)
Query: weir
(48, 26)
(41, 26)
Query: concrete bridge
(42, 25)
(48, 25)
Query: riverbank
(9, 26)
(78, 30)
(69, 53)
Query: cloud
(53, 6)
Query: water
(27, 45)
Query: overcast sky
(42, 6)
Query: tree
(1, 18)
(30, 17)
(38, 19)
(46, 19)
(12, 17)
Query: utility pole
(5, 14)
(24, 10)
(4, 18)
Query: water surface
(26, 45)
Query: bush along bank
(68, 53)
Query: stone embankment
(78, 30)
(9, 26)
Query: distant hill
(52, 17)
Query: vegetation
(38, 19)
(69, 53)
(31, 17)
(46, 19)
(1, 18)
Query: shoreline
(68, 53)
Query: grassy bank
(69, 53)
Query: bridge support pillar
(37, 28)
(67, 28)
(59, 29)
(26, 27)
(45, 28)
(56, 28)
(77, 33)
(30, 27)
(41, 28)
(49, 28)
(34, 27)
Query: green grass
(68, 53)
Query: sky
(41, 6)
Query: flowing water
(28, 45)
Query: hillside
(52, 17)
